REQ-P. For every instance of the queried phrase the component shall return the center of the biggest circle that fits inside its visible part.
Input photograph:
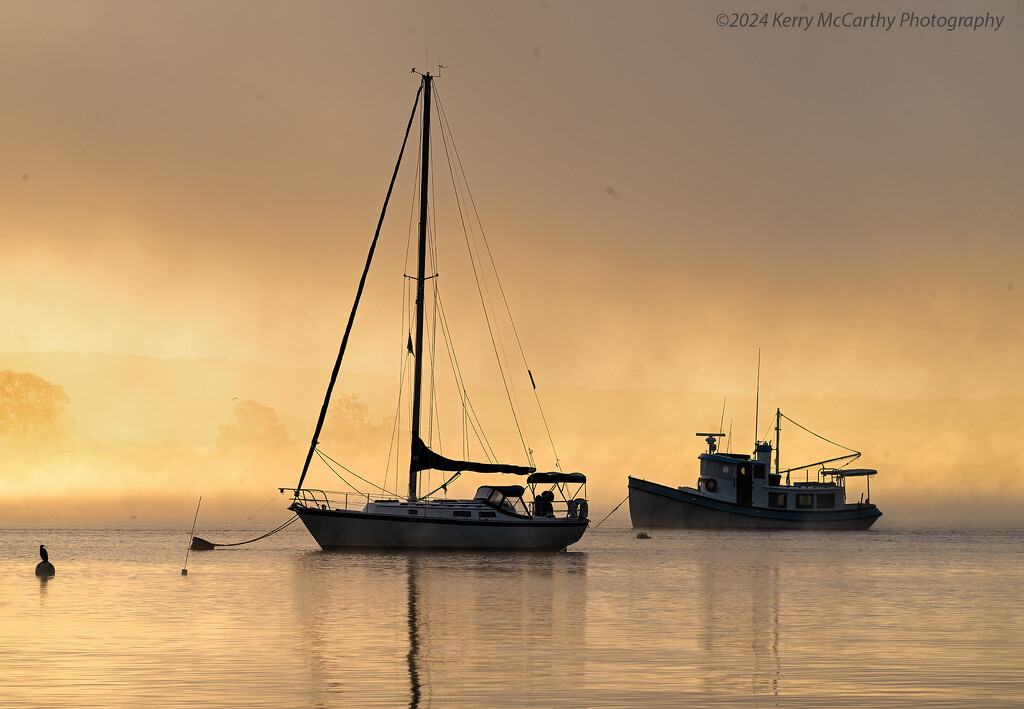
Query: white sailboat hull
(354, 529)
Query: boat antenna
(359, 293)
(757, 394)
(722, 422)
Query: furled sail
(425, 459)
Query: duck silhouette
(44, 568)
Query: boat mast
(757, 395)
(778, 428)
(420, 281)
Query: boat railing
(573, 507)
(329, 499)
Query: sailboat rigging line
(432, 415)
(496, 343)
(467, 405)
(352, 314)
(329, 467)
(262, 506)
(616, 507)
(445, 484)
(395, 429)
(497, 279)
(200, 543)
(324, 457)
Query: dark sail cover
(425, 459)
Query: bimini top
(556, 478)
(856, 472)
(507, 490)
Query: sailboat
(742, 491)
(552, 516)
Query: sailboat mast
(420, 281)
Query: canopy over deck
(856, 473)
(556, 478)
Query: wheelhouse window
(759, 472)
(804, 501)
(826, 501)
(777, 499)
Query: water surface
(885, 618)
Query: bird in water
(44, 568)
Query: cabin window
(804, 501)
(488, 514)
(827, 501)
(759, 472)
(777, 499)
(414, 512)
(462, 513)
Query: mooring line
(200, 544)
(616, 507)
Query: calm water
(879, 619)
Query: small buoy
(184, 572)
(643, 535)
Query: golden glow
(191, 189)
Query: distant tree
(349, 409)
(348, 419)
(30, 406)
(253, 425)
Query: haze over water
(191, 190)
(887, 618)
(188, 194)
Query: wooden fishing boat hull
(353, 529)
(654, 505)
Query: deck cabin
(751, 482)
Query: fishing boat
(744, 491)
(551, 516)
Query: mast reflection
(412, 615)
(415, 628)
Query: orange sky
(664, 196)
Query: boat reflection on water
(423, 628)
(740, 618)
